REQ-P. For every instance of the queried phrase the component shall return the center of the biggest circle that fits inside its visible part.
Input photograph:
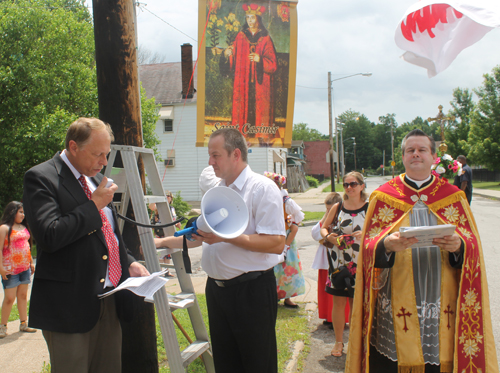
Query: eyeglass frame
(352, 184)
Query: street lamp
(330, 107)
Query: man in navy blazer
(82, 331)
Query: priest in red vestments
(252, 60)
(420, 308)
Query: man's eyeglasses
(353, 185)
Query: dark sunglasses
(353, 184)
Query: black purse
(341, 279)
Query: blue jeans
(13, 281)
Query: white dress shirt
(107, 210)
(224, 261)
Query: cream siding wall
(190, 160)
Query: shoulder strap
(336, 218)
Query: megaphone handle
(186, 232)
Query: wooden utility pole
(332, 174)
(119, 105)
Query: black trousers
(380, 363)
(242, 320)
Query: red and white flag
(434, 32)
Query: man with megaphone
(241, 288)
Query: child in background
(325, 300)
(16, 265)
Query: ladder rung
(162, 265)
(195, 349)
(154, 199)
(174, 301)
(135, 149)
(164, 251)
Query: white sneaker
(23, 327)
(3, 331)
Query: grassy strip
(492, 185)
(291, 326)
(313, 215)
(339, 188)
(14, 313)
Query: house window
(170, 160)
(168, 125)
(167, 116)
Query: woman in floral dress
(345, 237)
(290, 281)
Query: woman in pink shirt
(16, 265)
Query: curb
(309, 223)
(484, 195)
(292, 365)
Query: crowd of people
(408, 306)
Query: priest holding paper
(420, 308)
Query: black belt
(241, 278)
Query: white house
(176, 128)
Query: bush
(313, 182)
(182, 208)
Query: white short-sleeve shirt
(224, 261)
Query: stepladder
(131, 191)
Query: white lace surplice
(427, 280)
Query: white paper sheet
(142, 286)
(425, 235)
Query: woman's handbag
(341, 278)
(332, 227)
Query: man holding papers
(420, 308)
(80, 253)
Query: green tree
(457, 132)
(47, 77)
(301, 131)
(484, 134)
(149, 117)
(356, 127)
(47, 80)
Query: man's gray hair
(80, 130)
(233, 139)
(418, 132)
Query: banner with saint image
(246, 70)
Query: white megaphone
(223, 212)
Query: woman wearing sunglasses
(342, 228)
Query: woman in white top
(345, 237)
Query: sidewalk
(486, 193)
(27, 352)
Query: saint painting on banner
(247, 74)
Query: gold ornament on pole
(440, 119)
